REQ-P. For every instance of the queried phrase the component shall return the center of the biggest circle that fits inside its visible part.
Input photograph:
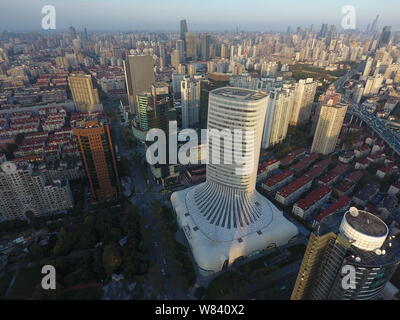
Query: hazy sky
(202, 15)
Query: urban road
(371, 120)
(142, 199)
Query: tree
(115, 234)
(64, 243)
(36, 252)
(111, 257)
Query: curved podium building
(225, 218)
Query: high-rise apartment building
(190, 100)
(368, 67)
(225, 219)
(304, 98)
(139, 75)
(330, 97)
(205, 42)
(24, 192)
(214, 81)
(85, 96)
(329, 125)
(373, 85)
(98, 157)
(279, 110)
(224, 51)
(180, 45)
(175, 59)
(348, 257)
(191, 46)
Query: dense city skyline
(156, 15)
(180, 163)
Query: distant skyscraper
(139, 75)
(85, 35)
(85, 96)
(191, 46)
(328, 128)
(184, 29)
(357, 241)
(374, 26)
(72, 32)
(24, 192)
(98, 156)
(180, 45)
(324, 30)
(385, 36)
(205, 42)
(161, 51)
(304, 98)
(225, 219)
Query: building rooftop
(315, 172)
(313, 197)
(335, 172)
(292, 156)
(368, 191)
(389, 168)
(294, 186)
(278, 178)
(305, 162)
(337, 206)
(239, 93)
(366, 223)
(354, 176)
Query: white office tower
(279, 110)
(190, 99)
(24, 191)
(305, 93)
(225, 219)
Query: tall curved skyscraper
(225, 218)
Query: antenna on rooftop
(353, 211)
